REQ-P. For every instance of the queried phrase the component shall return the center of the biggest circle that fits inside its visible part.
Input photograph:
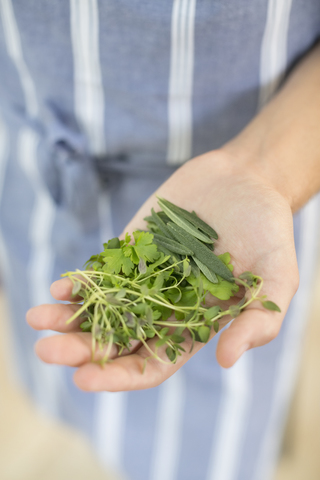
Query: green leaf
(212, 312)
(152, 266)
(161, 342)
(96, 266)
(234, 310)
(117, 261)
(127, 238)
(164, 331)
(150, 333)
(165, 312)
(113, 243)
(216, 326)
(86, 326)
(211, 276)
(139, 309)
(186, 267)
(174, 294)
(149, 316)
(121, 294)
(76, 288)
(171, 354)
(271, 306)
(177, 338)
(113, 300)
(179, 315)
(144, 246)
(188, 298)
(156, 314)
(158, 283)
(248, 277)
(226, 258)
(222, 290)
(142, 266)
(192, 217)
(180, 220)
(204, 333)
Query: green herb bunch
(159, 286)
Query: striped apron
(100, 100)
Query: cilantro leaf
(116, 261)
(144, 248)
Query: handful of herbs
(158, 286)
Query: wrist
(249, 154)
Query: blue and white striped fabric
(126, 91)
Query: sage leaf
(206, 256)
(192, 217)
(185, 224)
(211, 276)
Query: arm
(282, 143)
(247, 190)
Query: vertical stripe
(47, 380)
(181, 81)
(13, 42)
(288, 363)
(109, 428)
(168, 429)
(42, 219)
(273, 61)
(235, 406)
(89, 94)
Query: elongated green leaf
(185, 224)
(172, 245)
(192, 217)
(211, 276)
(160, 224)
(203, 253)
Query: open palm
(254, 224)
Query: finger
(128, 373)
(257, 326)
(62, 290)
(54, 317)
(73, 349)
(253, 328)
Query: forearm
(282, 143)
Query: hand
(254, 224)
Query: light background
(34, 448)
